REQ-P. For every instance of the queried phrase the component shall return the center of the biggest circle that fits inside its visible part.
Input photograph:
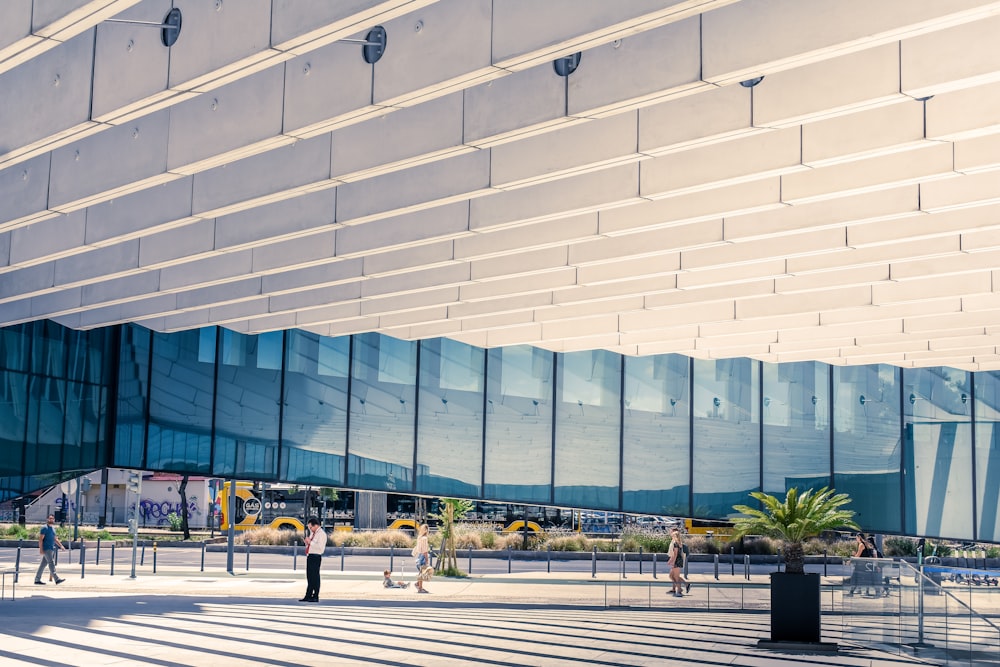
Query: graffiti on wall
(156, 511)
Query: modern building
(643, 256)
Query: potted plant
(795, 600)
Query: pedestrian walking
(315, 546)
(676, 563)
(48, 542)
(422, 553)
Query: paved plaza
(192, 618)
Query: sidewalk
(185, 617)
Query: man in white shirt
(315, 546)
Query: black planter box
(795, 608)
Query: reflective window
(937, 425)
(314, 430)
(519, 416)
(796, 426)
(48, 350)
(383, 413)
(46, 421)
(656, 452)
(13, 421)
(15, 343)
(866, 443)
(73, 427)
(987, 402)
(588, 429)
(450, 419)
(182, 395)
(133, 390)
(726, 435)
(246, 406)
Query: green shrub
(567, 542)
(634, 537)
(899, 546)
(175, 520)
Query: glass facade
(918, 450)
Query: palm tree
(794, 520)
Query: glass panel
(246, 409)
(48, 350)
(866, 443)
(588, 426)
(450, 419)
(383, 388)
(726, 435)
(133, 390)
(938, 429)
(46, 410)
(73, 428)
(314, 431)
(15, 343)
(13, 421)
(91, 408)
(657, 435)
(519, 424)
(182, 391)
(987, 402)
(796, 426)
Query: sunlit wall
(917, 449)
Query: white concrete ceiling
(260, 175)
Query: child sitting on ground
(389, 583)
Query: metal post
(17, 562)
(732, 561)
(548, 559)
(746, 566)
(640, 560)
(231, 525)
(716, 563)
(621, 562)
(83, 558)
(392, 553)
(295, 557)
(508, 559)
(687, 559)
(154, 556)
(142, 558)
(202, 556)
(341, 557)
(246, 541)
(470, 560)
(593, 564)
(824, 562)
(654, 565)
(920, 598)
(97, 554)
(112, 559)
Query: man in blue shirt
(47, 544)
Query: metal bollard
(248, 554)
(654, 565)
(341, 558)
(508, 559)
(83, 558)
(17, 562)
(295, 557)
(593, 564)
(202, 556)
(112, 559)
(154, 557)
(640, 560)
(824, 562)
(621, 561)
(716, 559)
(97, 554)
(548, 559)
(470, 560)
(746, 566)
(392, 553)
(142, 556)
(732, 561)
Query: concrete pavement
(185, 617)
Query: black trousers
(313, 562)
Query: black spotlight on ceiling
(566, 66)
(170, 27)
(750, 83)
